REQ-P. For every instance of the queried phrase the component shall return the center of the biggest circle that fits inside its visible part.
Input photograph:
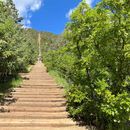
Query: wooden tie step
(39, 99)
(38, 89)
(35, 115)
(40, 104)
(43, 128)
(42, 95)
(36, 122)
(33, 109)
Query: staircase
(40, 105)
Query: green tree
(16, 44)
(95, 61)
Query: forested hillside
(94, 58)
(18, 45)
(49, 43)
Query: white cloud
(89, 2)
(26, 7)
(69, 13)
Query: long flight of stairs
(40, 105)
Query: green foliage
(17, 47)
(59, 79)
(94, 58)
(5, 87)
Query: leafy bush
(95, 61)
(16, 43)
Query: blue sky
(47, 15)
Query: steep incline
(40, 105)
